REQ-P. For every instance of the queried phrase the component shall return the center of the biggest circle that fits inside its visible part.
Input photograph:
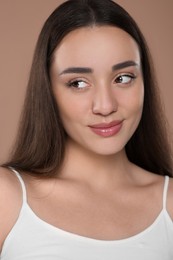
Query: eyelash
(120, 77)
(76, 82)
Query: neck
(94, 169)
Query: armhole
(24, 195)
(165, 192)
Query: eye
(78, 84)
(125, 79)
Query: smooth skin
(96, 77)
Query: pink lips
(107, 130)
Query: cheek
(71, 108)
(133, 100)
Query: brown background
(20, 23)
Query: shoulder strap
(24, 195)
(165, 191)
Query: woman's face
(97, 81)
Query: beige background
(20, 23)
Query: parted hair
(40, 145)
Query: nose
(104, 102)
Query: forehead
(89, 45)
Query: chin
(106, 150)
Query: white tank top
(33, 239)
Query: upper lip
(107, 125)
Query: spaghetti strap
(22, 184)
(165, 191)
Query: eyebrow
(124, 64)
(77, 70)
(87, 70)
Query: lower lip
(107, 132)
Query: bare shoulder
(157, 183)
(9, 183)
(146, 178)
(10, 201)
(170, 198)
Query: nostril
(104, 110)
(104, 100)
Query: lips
(107, 129)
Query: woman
(89, 175)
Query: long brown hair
(40, 145)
